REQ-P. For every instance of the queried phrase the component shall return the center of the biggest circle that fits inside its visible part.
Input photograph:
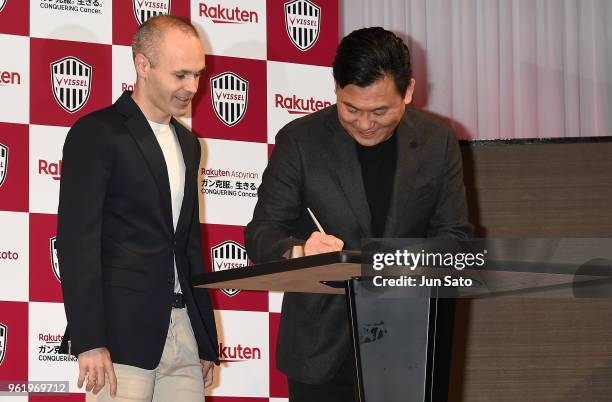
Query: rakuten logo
(10, 78)
(127, 87)
(238, 353)
(9, 255)
(295, 105)
(224, 15)
(50, 338)
(53, 169)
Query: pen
(316, 222)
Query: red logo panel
(303, 31)
(15, 17)
(13, 341)
(14, 167)
(125, 12)
(44, 282)
(270, 149)
(68, 80)
(216, 239)
(231, 100)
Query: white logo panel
(124, 75)
(295, 90)
(14, 256)
(71, 82)
(302, 21)
(144, 9)
(275, 301)
(235, 28)
(46, 329)
(46, 143)
(89, 21)
(229, 179)
(244, 354)
(15, 79)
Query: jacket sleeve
(450, 215)
(268, 235)
(196, 264)
(86, 169)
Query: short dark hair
(150, 33)
(365, 55)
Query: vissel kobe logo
(3, 336)
(145, 9)
(3, 163)
(54, 260)
(229, 255)
(230, 97)
(71, 82)
(302, 20)
(2, 4)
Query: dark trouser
(341, 388)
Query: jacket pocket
(132, 279)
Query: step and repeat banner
(268, 62)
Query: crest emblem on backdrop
(2, 4)
(228, 255)
(3, 336)
(54, 260)
(143, 9)
(229, 97)
(303, 22)
(71, 83)
(4, 151)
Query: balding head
(169, 59)
(150, 34)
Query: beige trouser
(177, 378)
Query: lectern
(402, 334)
(392, 331)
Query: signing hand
(96, 364)
(319, 243)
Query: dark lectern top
(305, 274)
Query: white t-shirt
(166, 137)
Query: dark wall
(536, 349)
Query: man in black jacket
(128, 232)
(367, 166)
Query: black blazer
(315, 164)
(116, 241)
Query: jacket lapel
(345, 164)
(188, 158)
(140, 130)
(409, 143)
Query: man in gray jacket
(367, 166)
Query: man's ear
(409, 92)
(142, 65)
